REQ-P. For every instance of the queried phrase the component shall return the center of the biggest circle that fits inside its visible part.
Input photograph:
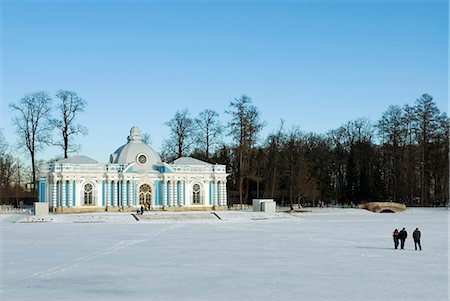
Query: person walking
(142, 210)
(395, 237)
(416, 237)
(402, 235)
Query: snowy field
(328, 254)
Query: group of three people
(402, 235)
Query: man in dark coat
(395, 237)
(416, 237)
(402, 236)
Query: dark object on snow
(402, 235)
(142, 210)
(395, 237)
(416, 237)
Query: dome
(137, 151)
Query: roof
(77, 160)
(189, 161)
(134, 148)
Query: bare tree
(428, 115)
(244, 127)
(391, 130)
(208, 130)
(32, 124)
(273, 164)
(146, 138)
(7, 170)
(181, 135)
(68, 108)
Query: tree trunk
(33, 171)
(241, 184)
(274, 180)
(66, 146)
(257, 189)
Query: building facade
(135, 176)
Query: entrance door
(145, 196)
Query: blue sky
(316, 64)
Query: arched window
(196, 194)
(88, 194)
(145, 196)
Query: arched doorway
(145, 196)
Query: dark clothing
(402, 235)
(395, 237)
(417, 243)
(142, 210)
(416, 237)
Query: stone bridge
(382, 207)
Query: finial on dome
(135, 134)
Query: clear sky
(316, 64)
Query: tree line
(401, 157)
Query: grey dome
(134, 149)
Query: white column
(98, 193)
(54, 196)
(176, 193)
(63, 193)
(182, 194)
(223, 194)
(124, 193)
(115, 193)
(70, 193)
(77, 192)
(164, 193)
(130, 194)
(171, 194)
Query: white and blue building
(134, 176)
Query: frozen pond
(331, 254)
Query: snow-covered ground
(327, 254)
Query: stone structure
(134, 176)
(379, 207)
(264, 205)
(40, 208)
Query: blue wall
(60, 193)
(42, 191)
(127, 189)
(74, 193)
(135, 194)
(184, 193)
(167, 194)
(111, 193)
(210, 193)
(66, 183)
(158, 193)
(103, 193)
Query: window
(88, 194)
(142, 159)
(145, 196)
(196, 194)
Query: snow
(325, 254)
